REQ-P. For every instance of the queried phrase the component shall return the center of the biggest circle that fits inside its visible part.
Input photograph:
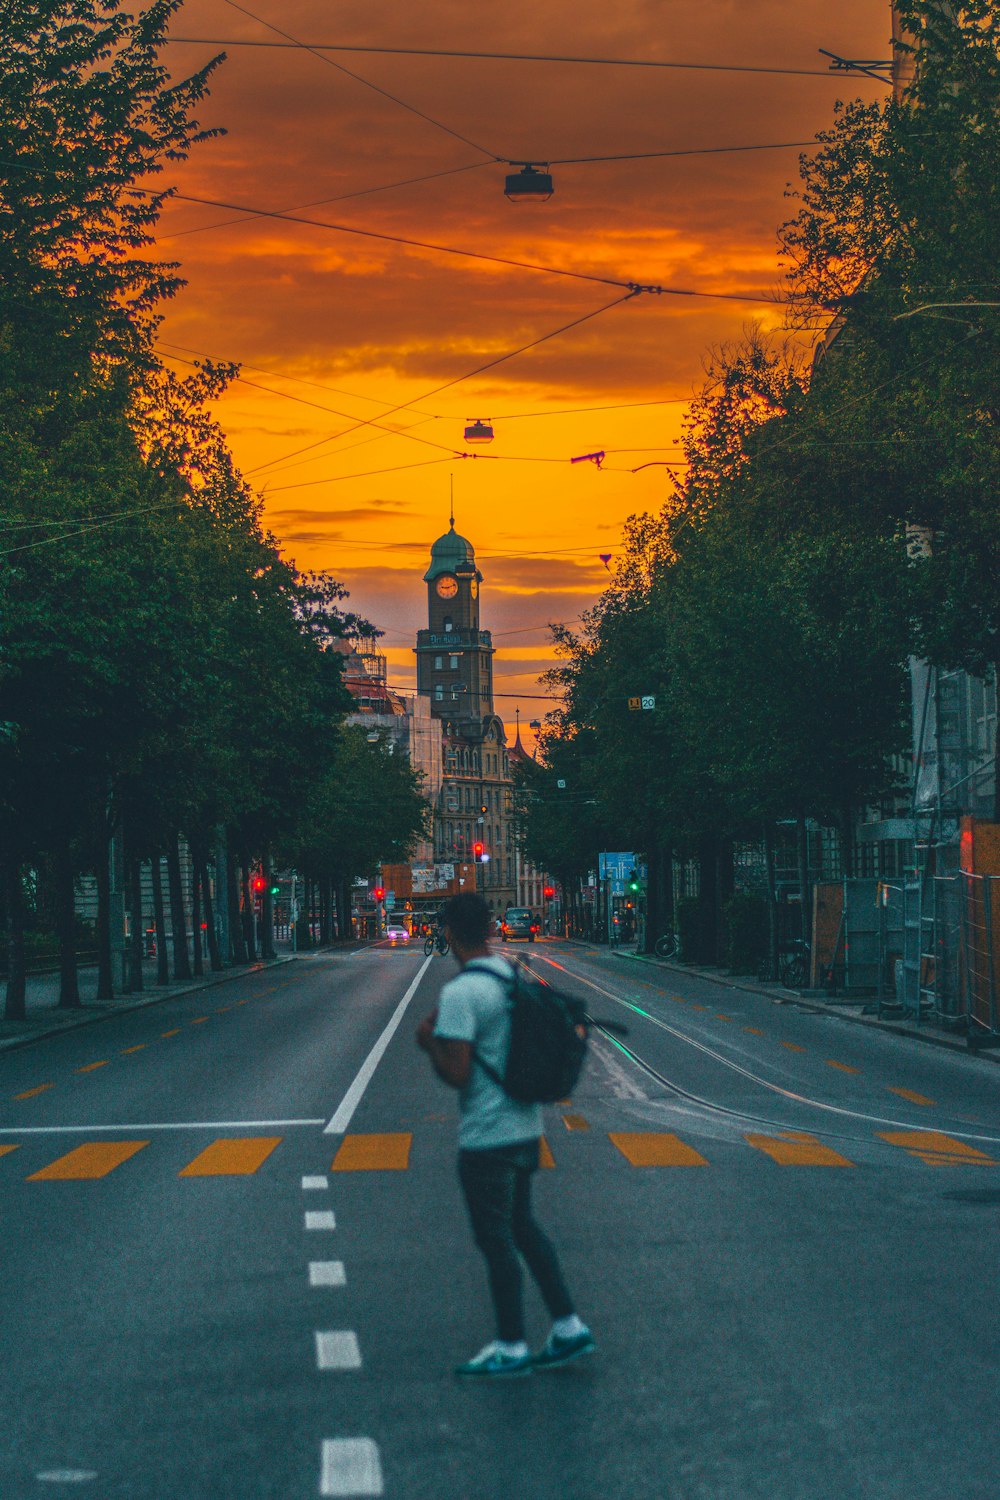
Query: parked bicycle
(792, 969)
(666, 946)
(436, 940)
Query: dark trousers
(497, 1188)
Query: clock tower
(474, 813)
(454, 657)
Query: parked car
(396, 934)
(519, 922)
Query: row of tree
(837, 514)
(165, 674)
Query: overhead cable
(317, 53)
(601, 62)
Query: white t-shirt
(475, 1008)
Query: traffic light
(379, 893)
(633, 883)
(477, 852)
(258, 885)
(548, 892)
(274, 890)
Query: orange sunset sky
(352, 327)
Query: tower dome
(451, 553)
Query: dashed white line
(338, 1351)
(351, 1466)
(314, 1184)
(84, 1476)
(325, 1219)
(327, 1273)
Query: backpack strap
(508, 985)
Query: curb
(11, 1044)
(792, 997)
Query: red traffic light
(258, 884)
(477, 850)
(548, 892)
(379, 893)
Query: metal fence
(980, 953)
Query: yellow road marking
(91, 1066)
(222, 1010)
(176, 1032)
(698, 1007)
(723, 1018)
(678, 999)
(795, 1148)
(374, 1153)
(844, 1067)
(647, 1148)
(5, 1150)
(198, 1021)
(95, 1159)
(30, 1093)
(793, 1046)
(138, 1048)
(935, 1149)
(753, 1031)
(545, 1157)
(231, 1158)
(575, 1122)
(911, 1096)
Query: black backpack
(548, 1039)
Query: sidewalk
(849, 1010)
(45, 1019)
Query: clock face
(474, 587)
(447, 587)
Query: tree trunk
(199, 963)
(802, 851)
(214, 956)
(105, 982)
(15, 1008)
(772, 897)
(137, 935)
(266, 913)
(159, 920)
(236, 938)
(996, 744)
(69, 988)
(708, 906)
(178, 917)
(724, 886)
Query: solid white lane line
(354, 1094)
(314, 1184)
(338, 1351)
(322, 1220)
(67, 1476)
(327, 1273)
(169, 1125)
(351, 1466)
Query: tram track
(729, 1111)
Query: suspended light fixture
(529, 185)
(479, 431)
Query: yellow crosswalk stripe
(796, 1148)
(374, 1153)
(91, 1066)
(126, 1051)
(545, 1157)
(95, 1159)
(575, 1122)
(937, 1150)
(647, 1148)
(176, 1032)
(30, 1093)
(911, 1096)
(232, 1157)
(844, 1067)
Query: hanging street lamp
(529, 185)
(479, 431)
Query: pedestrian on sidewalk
(499, 1141)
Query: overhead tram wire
(386, 187)
(458, 379)
(394, 98)
(541, 57)
(497, 260)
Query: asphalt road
(235, 1265)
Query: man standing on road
(498, 1150)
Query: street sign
(561, 784)
(635, 704)
(648, 701)
(390, 900)
(616, 867)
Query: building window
(438, 692)
(438, 663)
(448, 627)
(453, 663)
